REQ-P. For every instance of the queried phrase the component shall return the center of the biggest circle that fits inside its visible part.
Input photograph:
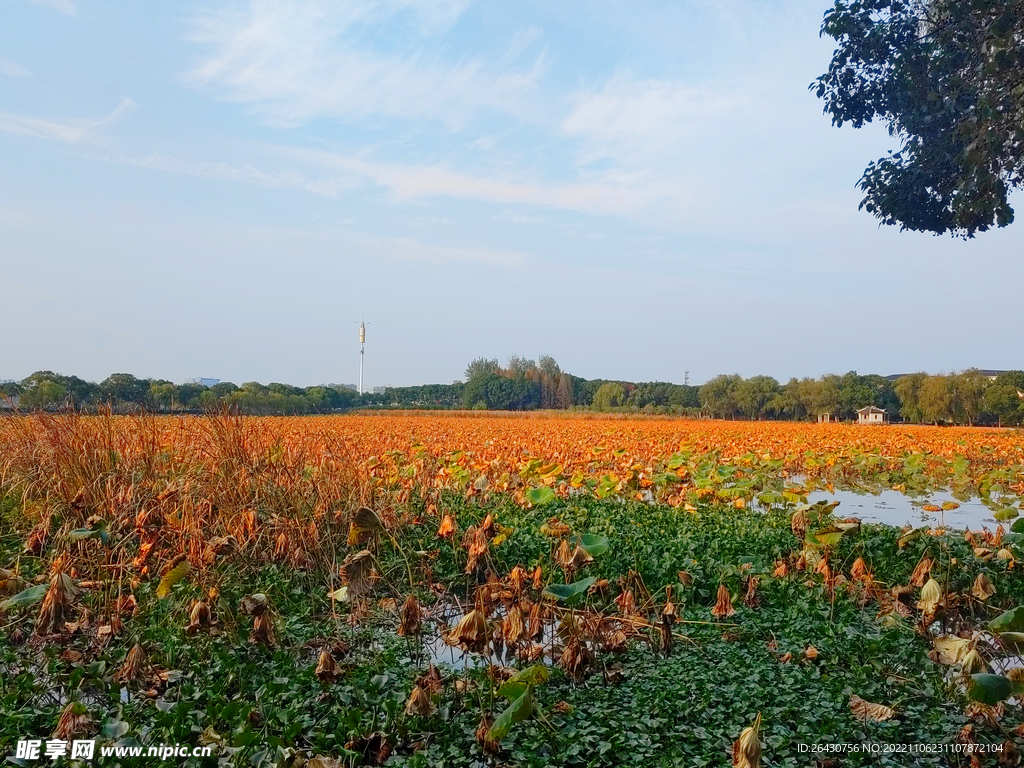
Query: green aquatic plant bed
(794, 649)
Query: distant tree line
(968, 397)
(123, 391)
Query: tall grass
(167, 486)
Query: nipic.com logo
(28, 750)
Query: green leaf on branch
(25, 597)
(570, 593)
(516, 712)
(989, 689)
(592, 544)
(516, 685)
(538, 497)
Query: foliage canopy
(946, 77)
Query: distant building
(8, 402)
(381, 390)
(827, 418)
(353, 387)
(203, 382)
(871, 414)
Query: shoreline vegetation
(442, 591)
(971, 397)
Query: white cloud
(296, 61)
(64, 6)
(11, 69)
(70, 131)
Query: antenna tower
(686, 378)
(362, 352)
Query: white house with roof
(871, 414)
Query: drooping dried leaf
(951, 649)
(263, 631)
(746, 750)
(571, 558)
(254, 605)
(56, 608)
(723, 605)
(134, 665)
(326, 668)
(921, 572)
(446, 529)
(410, 617)
(74, 721)
(576, 658)
(471, 633)
(419, 703)
(357, 573)
(931, 596)
(867, 711)
(200, 616)
(476, 544)
(220, 546)
(983, 588)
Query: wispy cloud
(11, 69)
(406, 181)
(636, 120)
(292, 62)
(64, 6)
(243, 173)
(408, 249)
(70, 131)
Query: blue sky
(637, 189)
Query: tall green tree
(908, 389)
(609, 395)
(43, 394)
(481, 367)
(968, 390)
(936, 399)
(124, 388)
(754, 395)
(1004, 403)
(718, 396)
(944, 75)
